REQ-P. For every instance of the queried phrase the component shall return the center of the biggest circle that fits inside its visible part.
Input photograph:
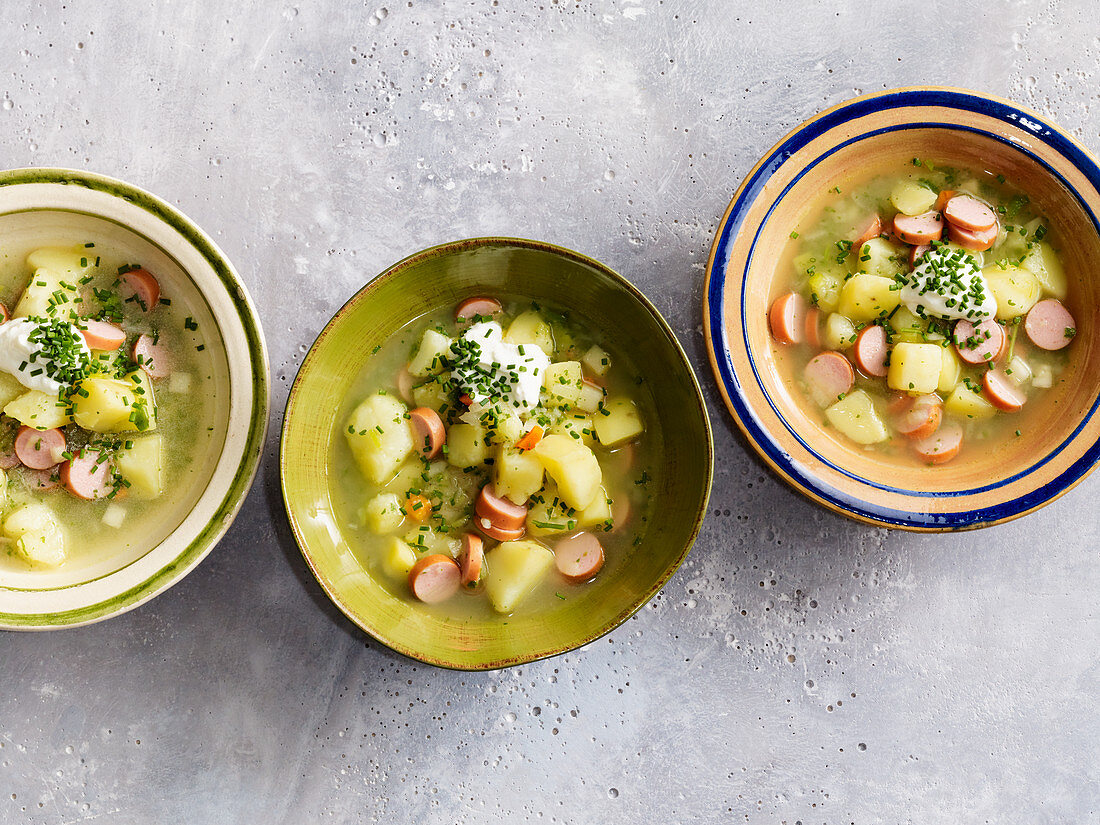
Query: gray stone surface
(799, 668)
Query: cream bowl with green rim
(427, 282)
(44, 207)
(958, 128)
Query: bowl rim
(200, 545)
(731, 225)
(363, 294)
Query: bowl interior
(438, 278)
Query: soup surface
(493, 458)
(920, 312)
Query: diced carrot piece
(533, 437)
(418, 507)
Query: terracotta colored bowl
(958, 128)
(441, 277)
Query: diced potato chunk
(514, 569)
(618, 422)
(37, 534)
(114, 515)
(908, 326)
(1043, 377)
(1015, 289)
(112, 405)
(548, 514)
(577, 426)
(517, 474)
(867, 297)
(825, 290)
(426, 540)
(39, 410)
(531, 328)
(508, 430)
(397, 558)
(142, 465)
(950, 370)
(383, 514)
(563, 382)
(429, 356)
(855, 416)
(915, 368)
(379, 436)
(596, 513)
(966, 403)
(880, 257)
(467, 445)
(591, 397)
(573, 467)
(1043, 263)
(1018, 370)
(912, 198)
(596, 361)
(45, 294)
(840, 332)
(10, 389)
(433, 394)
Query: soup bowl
(424, 283)
(44, 207)
(959, 128)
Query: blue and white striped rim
(752, 188)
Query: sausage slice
(870, 351)
(39, 449)
(917, 252)
(435, 578)
(828, 376)
(102, 335)
(152, 355)
(482, 305)
(978, 241)
(41, 480)
(787, 318)
(942, 446)
(1002, 392)
(920, 417)
(87, 475)
(983, 343)
(1049, 325)
(473, 554)
(967, 212)
(145, 288)
(404, 383)
(919, 229)
(429, 434)
(499, 511)
(813, 327)
(579, 557)
(870, 228)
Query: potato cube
(514, 569)
(867, 297)
(517, 474)
(39, 410)
(618, 422)
(531, 328)
(508, 430)
(397, 558)
(912, 198)
(114, 515)
(45, 294)
(596, 361)
(855, 416)
(573, 467)
(1042, 262)
(379, 436)
(964, 402)
(428, 360)
(908, 326)
(1016, 290)
(950, 371)
(577, 426)
(10, 389)
(915, 368)
(549, 515)
(563, 382)
(840, 332)
(37, 534)
(598, 513)
(433, 394)
(111, 405)
(383, 514)
(880, 257)
(141, 463)
(467, 445)
(591, 397)
(825, 290)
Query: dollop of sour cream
(948, 283)
(498, 374)
(29, 362)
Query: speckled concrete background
(798, 669)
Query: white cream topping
(948, 283)
(26, 361)
(495, 373)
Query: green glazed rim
(199, 546)
(295, 434)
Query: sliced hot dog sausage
(870, 351)
(829, 375)
(481, 305)
(787, 318)
(620, 513)
(921, 417)
(943, 445)
(579, 557)
(4, 314)
(974, 241)
(39, 449)
(501, 512)
(429, 434)
(813, 327)
(87, 475)
(153, 356)
(499, 533)
(917, 252)
(9, 459)
(1002, 392)
(404, 383)
(870, 228)
(919, 229)
(102, 335)
(979, 344)
(145, 288)
(41, 480)
(967, 212)
(435, 578)
(473, 554)
(1049, 325)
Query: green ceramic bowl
(440, 277)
